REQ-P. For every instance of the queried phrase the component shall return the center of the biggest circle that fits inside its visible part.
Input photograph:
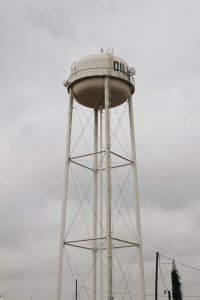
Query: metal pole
(64, 201)
(76, 289)
(101, 209)
(108, 192)
(169, 295)
(156, 277)
(136, 197)
(94, 271)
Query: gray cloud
(39, 42)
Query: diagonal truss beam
(81, 165)
(119, 247)
(125, 242)
(98, 249)
(125, 246)
(122, 157)
(78, 241)
(102, 152)
(74, 162)
(103, 238)
(118, 166)
(86, 154)
(67, 244)
(98, 169)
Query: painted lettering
(120, 67)
(116, 66)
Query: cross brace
(97, 249)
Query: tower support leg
(94, 271)
(64, 201)
(136, 198)
(108, 191)
(101, 210)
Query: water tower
(101, 82)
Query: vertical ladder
(111, 63)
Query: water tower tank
(88, 78)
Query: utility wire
(140, 294)
(179, 263)
(72, 285)
(161, 271)
(191, 286)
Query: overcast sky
(39, 41)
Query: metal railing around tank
(99, 71)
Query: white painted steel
(64, 201)
(97, 65)
(85, 91)
(101, 210)
(94, 270)
(94, 78)
(133, 71)
(136, 198)
(108, 191)
(87, 80)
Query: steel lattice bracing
(99, 240)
